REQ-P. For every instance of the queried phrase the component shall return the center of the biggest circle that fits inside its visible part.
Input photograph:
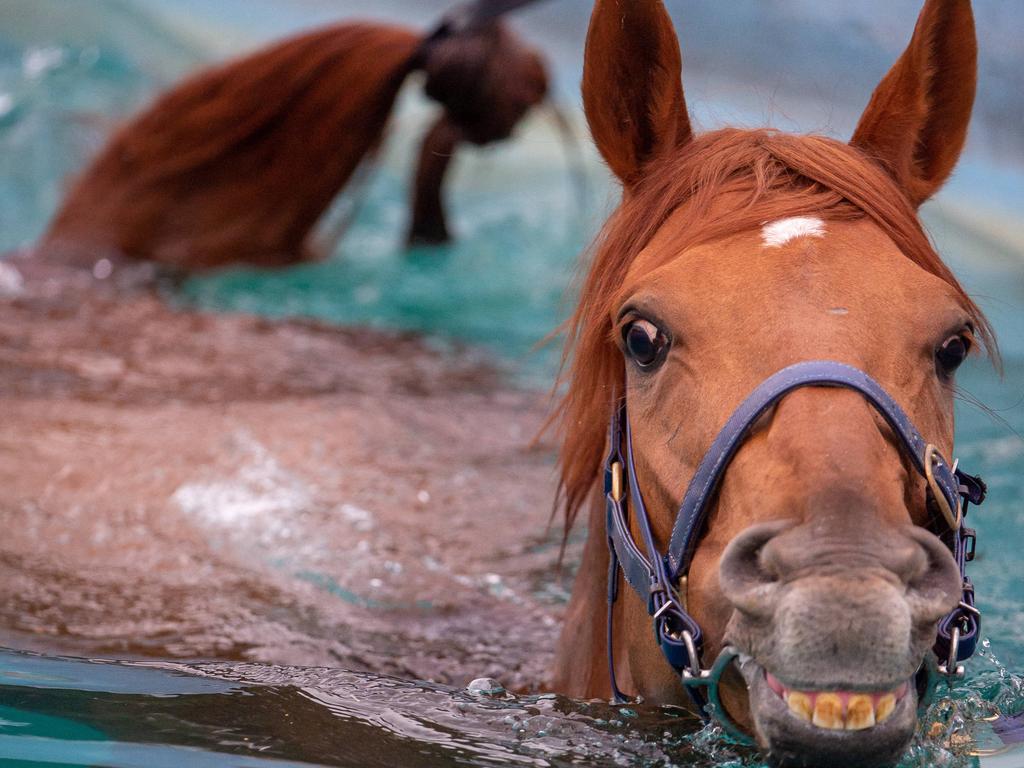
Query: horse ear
(632, 85)
(916, 121)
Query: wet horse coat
(735, 254)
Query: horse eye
(951, 354)
(645, 343)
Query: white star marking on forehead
(778, 233)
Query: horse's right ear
(632, 85)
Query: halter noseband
(654, 576)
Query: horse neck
(581, 666)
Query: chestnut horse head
(733, 255)
(487, 78)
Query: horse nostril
(745, 580)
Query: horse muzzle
(834, 630)
(843, 609)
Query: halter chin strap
(660, 580)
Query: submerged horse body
(823, 548)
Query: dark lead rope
(654, 576)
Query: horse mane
(773, 175)
(239, 161)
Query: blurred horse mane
(239, 162)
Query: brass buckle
(931, 455)
(617, 481)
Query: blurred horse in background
(238, 163)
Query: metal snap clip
(950, 668)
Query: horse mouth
(838, 710)
(804, 725)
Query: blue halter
(653, 576)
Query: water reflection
(78, 712)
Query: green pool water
(73, 712)
(521, 218)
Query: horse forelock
(773, 176)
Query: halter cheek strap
(656, 577)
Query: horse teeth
(860, 713)
(839, 710)
(884, 708)
(800, 705)
(828, 711)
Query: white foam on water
(261, 493)
(361, 519)
(262, 505)
(12, 284)
(37, 61)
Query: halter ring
(691, 651)
(932, 455)
(952, 668)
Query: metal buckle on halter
(970, 541)
(970, 608)
(616, 489)
(951, 667)
(953, 519)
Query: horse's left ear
(916, 121)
